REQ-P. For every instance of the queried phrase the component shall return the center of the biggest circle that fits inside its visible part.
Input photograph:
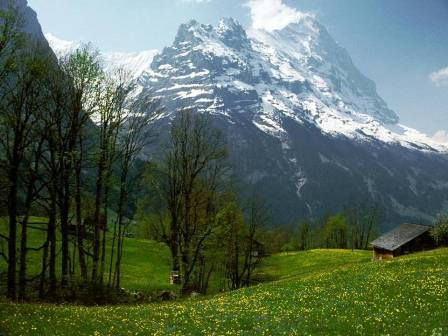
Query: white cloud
(272, 14)
(440, 78)
(441, 136)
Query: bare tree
(257, 219)
(231, 219)
(194, 167)
(12, 117)
(37, 66)
(243, 251)
(136, 134)
(83, 70)
(21, 145)
(111, 99)
(54, 123)
(47, 109)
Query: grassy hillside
(293, 265)
(407, 296)
(145, 265)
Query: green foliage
(232, 238)
(440, 230)
(305, 236)
(11, 37)
(290, 247)
(152, 216)
(334, 233)
(278, 239)
(354, 228)
(406, 296)
(151, 225)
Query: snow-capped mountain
(305, 127)
(305, 67)
(299, 68)
(136, 63)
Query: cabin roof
(400, 236)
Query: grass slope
(145, 265)
(292, 265)
(407, 296)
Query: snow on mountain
(136, 63)
(61, 47)
(298, 68)
(306, 128)
(297, 73)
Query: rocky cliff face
(31, 24)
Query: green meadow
(319, 292)
(145, 266)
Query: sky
(401, 44)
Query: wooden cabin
(407, 238)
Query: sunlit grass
(290, 265)
(407, 296)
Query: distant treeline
(352, 228)
(440, 230)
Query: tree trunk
(79, 223)
(43, 271)
(23, 253)
(65, 195)
(106, 204)
(51, 238)
(174, 244)
(30, 196)
(103, 246)
(96, 222)
(118, 262)
(120, 216)
(186, 242)
(112, 254)
(12, 242)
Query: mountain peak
(190, 24)
(228, 24)
(192, 31)
(232, 33)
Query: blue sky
(401, 44)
